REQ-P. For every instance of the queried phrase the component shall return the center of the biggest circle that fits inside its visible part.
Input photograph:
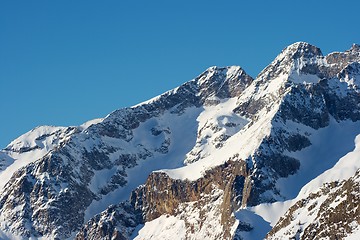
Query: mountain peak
(292, 58)
(302, 49)
(221, 75)
(222, 82)
(355, 48)
(217, 71)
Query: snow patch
(259, 226)
(87, 124)
(303, 78)
(164, 227)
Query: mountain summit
(223, 156)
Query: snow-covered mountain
(223, 156)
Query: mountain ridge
(223, 119)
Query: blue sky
(66, 62)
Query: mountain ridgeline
(223, 156)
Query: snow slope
(339, 141)
(265, 216)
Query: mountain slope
(190, 158)
(329, 205)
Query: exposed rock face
(162, 195)
(339, 60)
(39, 199)
(334, 210)
(222, 83)
(235, 133)
(116, 223)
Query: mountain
(223, 156)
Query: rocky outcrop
(163, 195)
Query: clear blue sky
(66, 62)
